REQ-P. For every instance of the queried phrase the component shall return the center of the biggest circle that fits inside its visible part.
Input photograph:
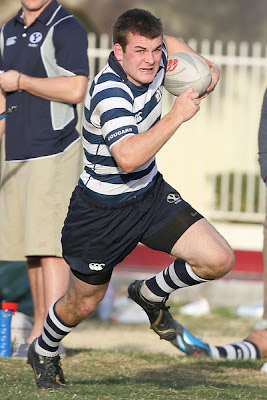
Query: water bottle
(105, 306)
(5, 328)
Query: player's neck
(29, 16)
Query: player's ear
(118, 51)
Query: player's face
(34, 5)
(141, 58)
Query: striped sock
(178, 275)
(54, 331)
(244, 350)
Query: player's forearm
(175, 45)
(134, 151)
(64, 89)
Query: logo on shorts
(174, 198)
(96, 266)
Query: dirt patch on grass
(129, 337)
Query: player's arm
(175, 45)
(69, 89)
(2, 109)
(134, 151)
(262, 139)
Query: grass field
(137, 375)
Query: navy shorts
(96, 236)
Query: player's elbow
(125, 158)
(129, 170)
(127, 166)
(77, 97)
(78, 90)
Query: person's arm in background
(262, 139)
(70, 79)
(175, 45)
(69, 89)
(2, 109)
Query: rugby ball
(186, 70)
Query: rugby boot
(47, 370)
(188, 343)
(158, 313)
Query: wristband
(18, 81)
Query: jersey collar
(45, 16)
(115, 65)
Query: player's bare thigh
(205, 249)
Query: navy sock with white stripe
(54, 331)
(178, 275)
(244, 350)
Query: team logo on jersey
(35, 37)
(158, 95)
(96, 266)
(138, 117)
(173, 198)
(11, 40)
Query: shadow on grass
(163, 371)
(115, 375)
(73, 352)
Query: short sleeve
(71, 45)
(115, 109)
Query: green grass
(124, 375)
(220, 322)
(112, 375)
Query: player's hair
(136, 21)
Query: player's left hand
(9, 80)
(215, 76)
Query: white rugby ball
(186, 70)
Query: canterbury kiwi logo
(96, 266)
(173, 198)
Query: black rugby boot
(158, 313)
(47, 370)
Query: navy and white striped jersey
(114, 109)
(55, 44)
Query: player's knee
(86, 307)
(224, 262)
